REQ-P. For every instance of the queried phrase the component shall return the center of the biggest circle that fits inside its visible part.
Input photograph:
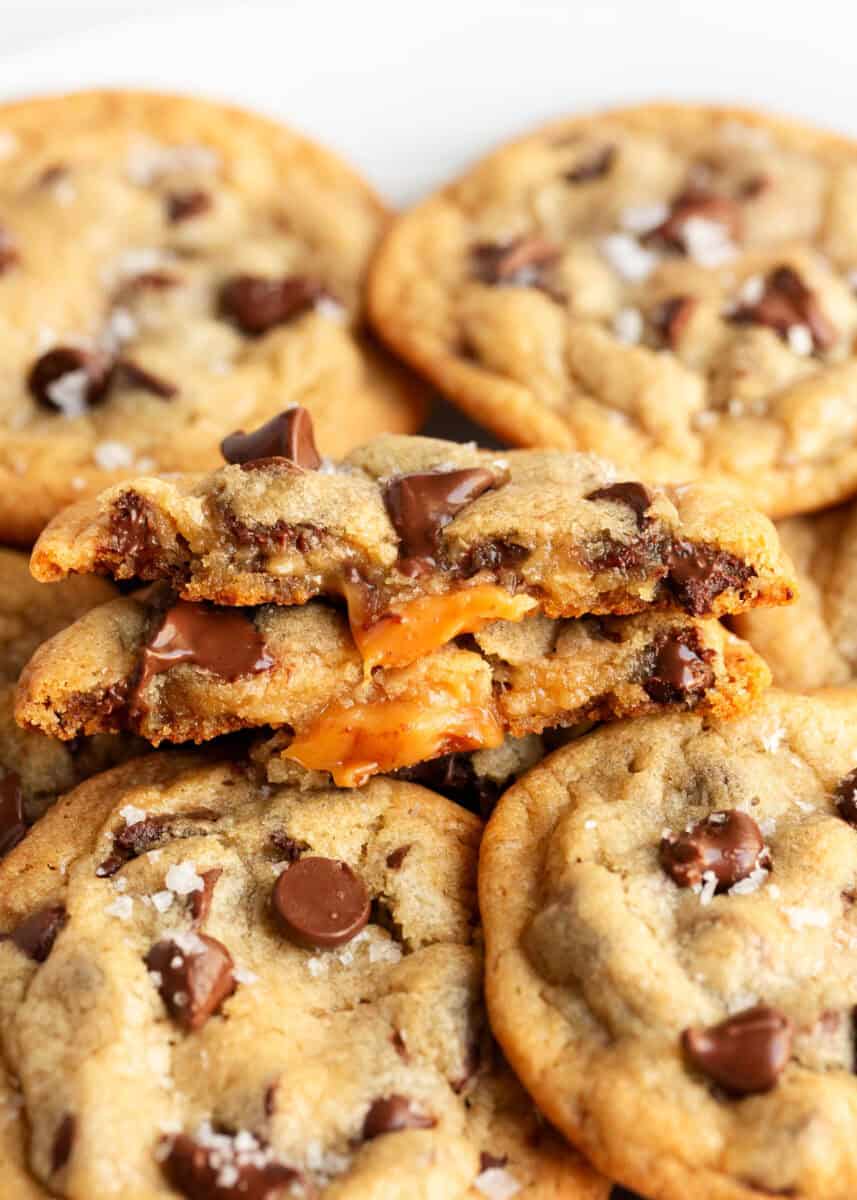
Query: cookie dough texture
(123, 217)
(308, 1041)
(614, 282)
(813, 643)
(597, 960)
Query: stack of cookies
(276, 659)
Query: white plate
(411, 92)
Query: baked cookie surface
(670, 286)
(212, 987)
(181, 671)
(670, 945)
(169, 269)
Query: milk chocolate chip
(391, 1114)
(421, 505)
(729, 844)
(680, 671)
(632, 495)
(13, 827)
(195, 977)
(221, 640)
(523, 262)
(786, 302)
(288, 435)
(256, 304)
(69, 380)
(226, 1169)
(744, 1054)
(320, 903)
(36, 934)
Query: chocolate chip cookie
(670, 286)
(671, 936)
(169, 267)
(813, 644)
(425, 539)
(175, 670)
(215, 989)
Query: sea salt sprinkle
(800, 341)
(132, 815)
(750, 883)
(122, 907)
(628, 325)
(183, 879)
(643, 218)
(800, 917)
(497, 1183)
(707, 889)
(113, 456)
(150, 161)
(628, 258)
(707, 242)
(68, 393)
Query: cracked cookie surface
(254, 1029)
(170, 268)
(670, 904)
(670, 286)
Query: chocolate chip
(498, 556)
(488, 1162)
(200, 900)
(391, 1114)
(671, 317)
(523, 262)
(256, 304)
(290, 849)
(133, 537)
(421, 505)
(635, 496)
(63, 1143)
(595, 167)
(194, 980)
(786, 302)
(180, 206)
(729, 844)
(680, 671)
(127, 373)
(846, 798)
(221, 640)
(226, 1170)
(396, 857)
(621, 1193)
(697, 574)
(87, 373)
(744, 1054)
(13, 827)
(399, 1045)
(135, 839)
(36, 934)
(288, 435)
(320, 903)
(754, 186)
(696, 204)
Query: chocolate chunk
(320, 903)
(288, 435)
(523, 262)
(454, 776)
(786, 302)
(846, 798)
(744, 1054)
(635, 496)
(421, 505)
(290, 849)
(36, 934)
(595, 167)
(391, 1114)
(196, 977)
(396, 857)
(200, 901)
(729, 844)
(701, 205)
(132, 536)
(84, 375)
(256, 304)
(13, 827)
(680, 671)
(221, 640)
(671, 317)
(224, 1169)
(181, 206)
(127, 373)
(63, 1142)
(697, 574)
(9, 256)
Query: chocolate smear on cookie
(221, 640)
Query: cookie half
(670, 286)
(170, 267)
(284, 994)
(179, 671)
(670, 932)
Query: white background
(411, 91)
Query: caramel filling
(409, 631)
(357, 741)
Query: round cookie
(170, 269)
(812, 644)
(671, 286)
(215, 987)
(670, 948)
